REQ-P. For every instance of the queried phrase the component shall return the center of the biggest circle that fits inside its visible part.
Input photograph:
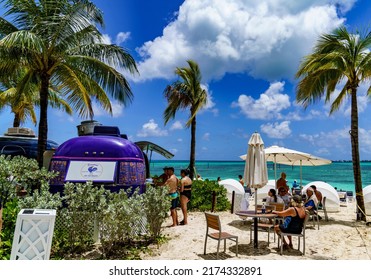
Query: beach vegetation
(203, 193)
(339, 59)
(89, 218)
(59, 46)
(186, 94)
(23, 105)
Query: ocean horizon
(338, 174)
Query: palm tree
(59, 44)
(338, 57)
(186, 94)
(23, 105)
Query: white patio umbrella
(310, 161)
(255, 173)
(278, 154)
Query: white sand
(342, 237)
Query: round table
(256, 214)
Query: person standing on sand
(185, 194)
(162, 178)
(172, 184)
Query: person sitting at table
(285, 196)
(317, 193)
(312, 201)
(293, 222)
(272, 197)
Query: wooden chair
(299, 235)
(265, 227)
(278, 207)
(213, 222)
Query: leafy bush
(20, 173)
(156, 205)
(15, 174)
(202, 196)
(10, 212)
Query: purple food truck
(104, 156)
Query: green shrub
(202, 196)
(82, 204)
(20, 173)
(156, 204)
(10, 212)
(15, 174)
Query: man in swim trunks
(172, 184)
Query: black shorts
(289, 230)
(187, 193)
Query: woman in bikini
(293, 222)
(185, 194)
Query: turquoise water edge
(337, 174)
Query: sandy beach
(340, 238)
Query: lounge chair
(213, 222)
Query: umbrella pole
(275, 172)
(256, 220)
(301, 176)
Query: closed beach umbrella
(255, 174)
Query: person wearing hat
(172, 184)
(162, 178)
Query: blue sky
(248, 52)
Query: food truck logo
(91, 170)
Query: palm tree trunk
(43, 120)
(355, 156)
(16, 120)
(192, 159)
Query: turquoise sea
(337, 174)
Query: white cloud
(334, 139)
(176, 125)
(106, 39)
(121, 37)
(365, 141)
(174, 151)
(265, 38)
(268, 106)
(63, 116)
(117, 109)
(206, 136)
(151, 129)
(277, 130)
